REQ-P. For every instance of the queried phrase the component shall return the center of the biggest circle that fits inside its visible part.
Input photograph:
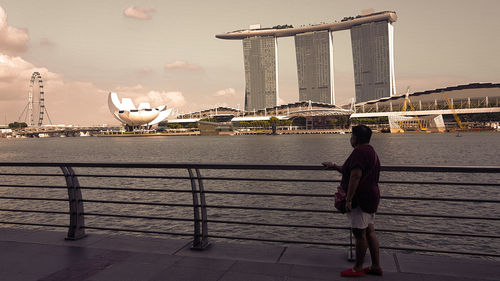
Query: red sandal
(369, 270)
(351, 273)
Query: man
(360, 175)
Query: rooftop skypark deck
(334, 26)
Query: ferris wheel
(36, 101)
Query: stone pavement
(27, 255)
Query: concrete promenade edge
(27, 255)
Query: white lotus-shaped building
(126, 112)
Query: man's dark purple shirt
(367, 194)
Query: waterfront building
(261, 72)
(477, 103)
(132, 117)
(314, 51)
(373, 59)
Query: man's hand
(332, 166)
(328, 165)
(348, 206)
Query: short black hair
(363, 134)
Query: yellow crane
(455, 115)
(406, 103)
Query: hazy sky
(165, 52)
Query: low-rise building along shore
(476, 102)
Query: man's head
(361, 134)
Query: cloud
(181, 65)
(130, 89)
(156, 98)
(67, 101)
(229, 92)
(145, 70)
(138, 12)
(45, 42)
(13, 40)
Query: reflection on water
(412, 149)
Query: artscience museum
(132, 117)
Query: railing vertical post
(200, 241)
(76, 219)
(204, 224)
(351, 256)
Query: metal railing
(14, 178)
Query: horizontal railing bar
(31, 175)
(348, 228)
(441, 183)
(440, 251)
(441, 199)
(268, 193)
(135, 189)
(438, 233)
(287, 180)
(138, 203)
(259, 179)
(331, 195)
(437, 216)
(33, 198)
(270, 179)
(131, 176)
(260, 224)
(445, 169)
(207, 178)
(136, 217)
(270, 209)
(138, 231)
(338, 180)
(34, 211)
(278, 240)
(279, 225)
(255, 193)
(252, 208)
(32, 224)
(34, 186)
(333, 211)
(392, 168)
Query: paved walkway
(42, 255)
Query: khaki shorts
(360, 219)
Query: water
(393, 149)
(479, 149)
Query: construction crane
(406, 103)
(455, 115)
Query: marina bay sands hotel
(372, 39)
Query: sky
(165, 52)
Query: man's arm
(354, 179)
(334, 166)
